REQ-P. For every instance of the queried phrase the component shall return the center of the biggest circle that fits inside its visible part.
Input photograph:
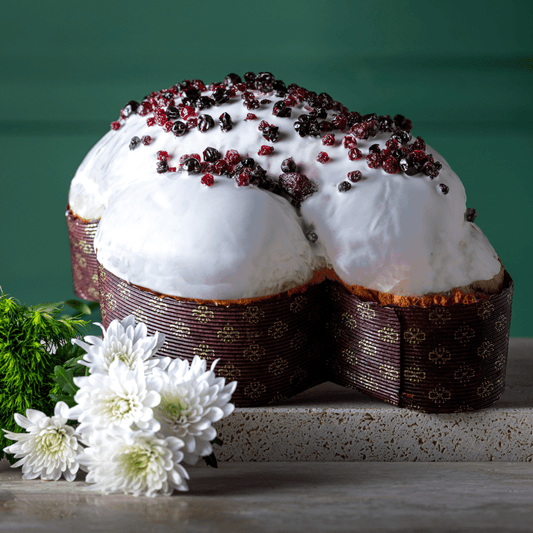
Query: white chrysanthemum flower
(135, 462)
(124, 397)
(49, 448)
(191, 400)
(125, 341)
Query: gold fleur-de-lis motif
(94, 279)
(366, 311)
(389, 372)
(414, 374)
(229, 372)
(464, 373)
(253, 314)
(500, 362)
(464, 334)
(464, 408)
(255, 389)
(439, 395)
(124, 290)
(414, 336)
(278, 366)
(77, 272)
(252, 334)
(501, 323)
(203, 314)
(140, 315)
(298, 304)
(93, 292)
(439, 316)
(86, 247)
(388, 334)
(485, 309)
(485, 389)
(349, 356)
(81, 260)
(158, 305)
(367, 347)
(110, 301)
(254, 352)
(298, 377)
(349, 320)
(180, 329)
(485, 350)
(278, 329)
(228, 334)
(366, 382)
(298, 340)
(204, 351)
(440, 355)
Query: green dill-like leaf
(211, 460)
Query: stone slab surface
(333, 423)
(282, 497)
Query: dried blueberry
(204, 102)
(344, 186)
(211, 154)
(225, 122)
(172, 112)
(470, 214)
(248, 162)
(191, 165)
(311, 236)
(129, 108)
(288, 165)
(205, 123)
(162, 166)
(232, 79)
(280, 110)
(271, 133)
(179, 128)
(444, 188)
(220, 96)
(134, 143)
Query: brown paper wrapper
(436, 359)
(271, 347)
(81, 234)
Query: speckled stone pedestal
(332, 423)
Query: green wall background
(461, 71)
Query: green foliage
(211, 460)
(33, 341)
(63, 388)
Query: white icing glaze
(390, 232)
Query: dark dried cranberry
(280, 87)
(325, 126)
(290, 101)
(313, 129)
(271, 133)
(225, 122)
(205, 123)
(390, 165)
(403, 137)
(344, 186)
(385, 123)
(374, 148)
(355, 176)
(339, 122)
(297, 185)
(265, 101)
(191, 165)
(168, 126)
(187, 112)
(208, 180)
(365, 130)
(418, 144)
(134, 143)
(204, 102)
(264, 81)
(146, 140)
(162, 166)
(130, 108)
(116, 125)
(392, 144)
(470, 214)
(288, 165)
(265, 150)
(172, 112)
(248, 162)
(408, 166)
(301, 128)
(179, 128)
(220, 96)
(233, 157)
(211, 154)
(281, 110)
(385, 154)
(221, 166)
(249, 76)
(373, 160)
(251, 116)
(328, 140)
(402, 123)
(144, 108)
(243, 179)
(354, 154)
(251, 104)
(150, 121)
(349, 141)
(444, 188)
(322, 157)
(232, 79)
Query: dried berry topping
(179, 128)
(221, 166)
(390, 165)
(328, 140)
(297, 186)
(225, 122)
(232, 79)
(402, 123)
(162, 166)
(192, 123)
(344, 186)
(211, 154)
(162, 155)
(172, 112)
(355, 176)
(248, 162)
(220, 96)
(130, 108)
(322, 157)
(288, 165)
(115, 125)
(187, 112)
(233, 157)
(205, 123)
(146, 140)
(243, 179)
(265, 150)
(444, 188)
(339, 122)
(271, 133)
(403, 137)
(365, 130)
(373, 160)
(419, 144)
(150, 121)
(311, 236)
(191, 165)
(470, 214)
(374, 148)
(144, 108)
(354, 154)
(251, 116)
(392, 144)
(349, 141)
(281, 110)
(134, 143)
(208, 180)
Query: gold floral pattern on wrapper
(83, 257)
(438, 359)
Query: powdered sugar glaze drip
(327, 187)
